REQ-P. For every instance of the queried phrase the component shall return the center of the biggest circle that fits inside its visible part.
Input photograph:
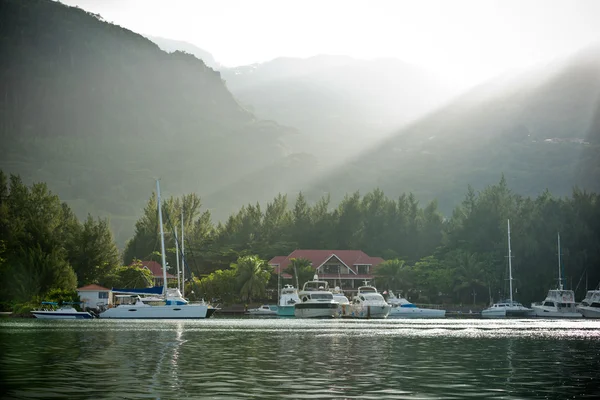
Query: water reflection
(273, 358)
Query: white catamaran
(172, 306)
(509, 307)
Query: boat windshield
(321, 296)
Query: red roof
(92, 288)
(351, 258)
(156, 269)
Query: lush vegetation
(430, 258)
(44, 247)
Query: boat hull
(285, 311)
(316, 310)
(493, 313)
(367, 311)
(193, 311)
(414, 312)
(547, 313)
(589, 312)
(61, 315)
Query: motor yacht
(343, 301)
(368, 303)
(316, 301)
(590, 306)
(288, 299)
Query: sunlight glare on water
(301, 359)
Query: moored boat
(509, 307)
(402, 308)
(288, 299)
(65, 311)
(342, 300)
(264, 310)
(316, 301)
(559, 303)
(590, 306)
(368, 303)
(132, 306)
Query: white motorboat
(509, 307)
(559, 303)
(287, 300)
(590, 306)
(264, 310)
(170, 305)
(402, 308)
(367, 303)
(66, 311)
(316, 301)
(344, 303)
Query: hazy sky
(463, 40)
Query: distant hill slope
(98, 112)
(171, 46)
(339, 104)
(540, 128)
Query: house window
(103, 295)
(363, 269)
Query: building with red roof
(345, 268)
(156, 270)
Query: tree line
(45, 249)
(430, 258)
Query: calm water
(300, 359)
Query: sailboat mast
(510, 278)
(278, 285)
(162, 240)
(560, 284)
(177, 253)
(182, 257)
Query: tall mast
(278, 285)
(510, 278)
(162, 240)
(182, 257)
(560, 284)
(177, 253)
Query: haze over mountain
(171, 46)
(338, 103)
(98, 112)
(539, 128)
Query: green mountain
(98, 112)
(338, 103)
(539, 128)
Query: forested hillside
(98, 112)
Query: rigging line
(176, 238)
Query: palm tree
(389, 274)
(469, 273)
(252, 277)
